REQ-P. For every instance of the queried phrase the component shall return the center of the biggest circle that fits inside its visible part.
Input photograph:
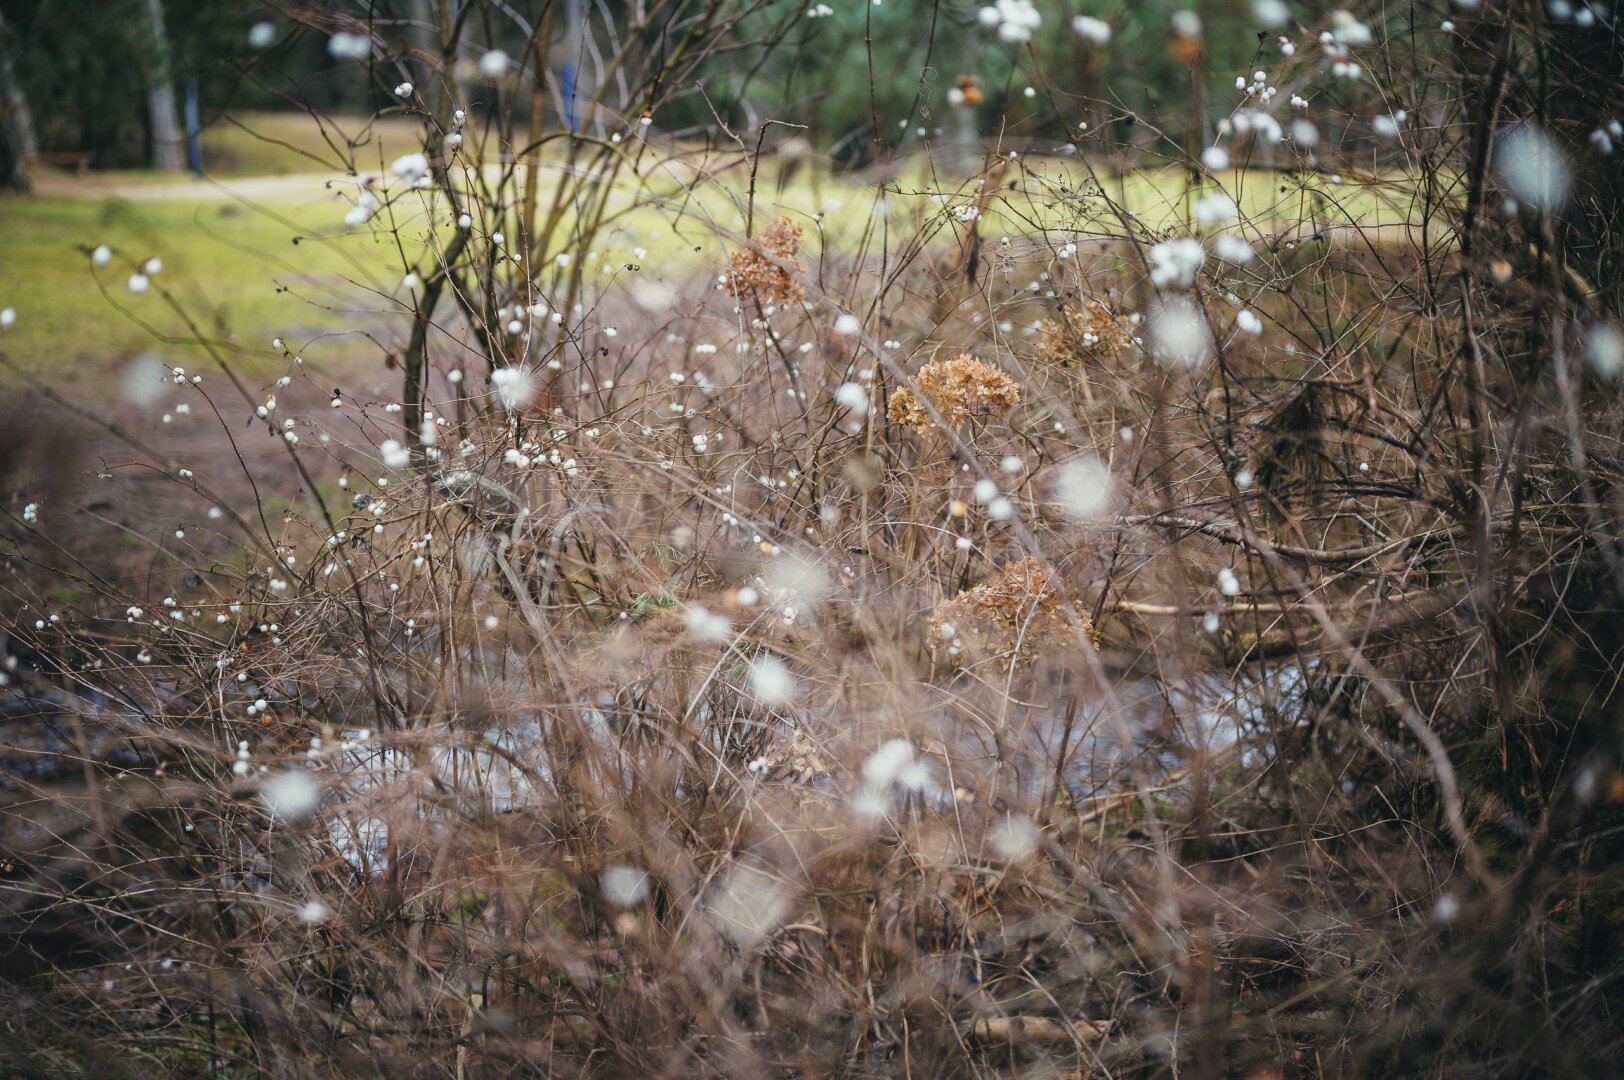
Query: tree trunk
(16, 122)
(168, 148)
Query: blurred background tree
(87, 68)
(865, 78)
(891, 66)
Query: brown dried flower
(1090, 334)
(759, 272)
(796, 758)
(1017, 610)
(959, 389)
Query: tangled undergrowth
(689, 674)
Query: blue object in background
(566, 78)
(194, 133)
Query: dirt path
(142, 512)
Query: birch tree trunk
(16, 122)
(168, 148)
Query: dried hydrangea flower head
(759, 272)
(959, 389)
(795, 757)
(1092, 333)
(1018, 610)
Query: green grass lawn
(236, 271)
(279, 144)
(282, 263)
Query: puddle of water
(1144, 731)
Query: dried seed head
(959, 389)
(1018, 610)
(759, 272)
(1092, 333)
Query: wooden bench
(77, 160)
